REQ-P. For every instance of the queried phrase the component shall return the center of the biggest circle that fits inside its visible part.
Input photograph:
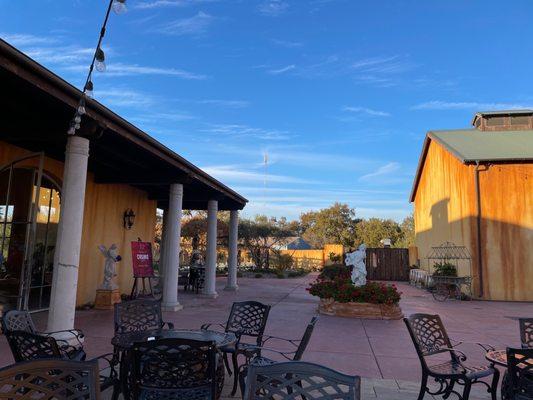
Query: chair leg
(242, 380)
(226, 363)
(494, 384)
(466, 391)
(235, 373)
(449, 390)
(423, 386)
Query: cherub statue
(357, 260)
(110, 270)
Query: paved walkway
(378, 350)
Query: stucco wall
(104, 207)
(445, 210)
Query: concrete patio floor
(379, 351)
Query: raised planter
(360, 310)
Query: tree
(260, 235)
(335, 224)
(371, 231)
(408, 230)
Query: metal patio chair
(254, 355)
(246, 319)
(15, 320)
(430, 338)
(50, 379)
(174, 369)
(296, 379)
(519, 378)
(526, 332)
(27, 346)
(139, 315)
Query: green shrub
(258, 275)
(280, 275)
(297, 272)
(239, 274)
(335, 270)
(445, 269)
(335, 258)
(280, 261)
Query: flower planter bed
(360, 310)
(339, 297)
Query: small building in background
(474, 188)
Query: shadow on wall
(507, 259)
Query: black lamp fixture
(129, 218)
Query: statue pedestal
(105, 299)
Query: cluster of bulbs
(119, 7)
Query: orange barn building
(474, 188)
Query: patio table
(499, 357)
(124, 343)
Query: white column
(211, 265)
(171, 253)
(163, 247)
(68, 242)
(233, 250)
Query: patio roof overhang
(37, 107)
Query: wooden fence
(387, 264)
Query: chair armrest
(170, 325)
(257, 350)
(109, 363)
(205, 327)
(460, 354)
(294, 342)
(486, 347)
(456, 343)
(76, 334)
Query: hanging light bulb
(89, 89)
(81, 107)
(71, 130)
(99, 60)
(119, 6)
(77, 119)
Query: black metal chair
(296, 379)
(139, 315)
(519, 378)
(526, 332)
(50, 379)
(174, 369)
(430, 338)
(254, 355)
(27, 346)
(246, 319)
(15, 320)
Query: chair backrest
(296, 379)
(305, 339)
(428, 334)
(248, 318)
(15, 320)
(175, 368)
(27, 346)
(138, 315)
(526, 332)
(520, 373)
(50, 379)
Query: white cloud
(368, 111)
(287, 43)
(236, 131)
(123, 97)
(121, 69)
(236, 173)
(169, 3)
(273, 8)
(282, 70)
(60, 54)
(381, 171)
(469, 105)
(225, 103)
(22, 39)
(195, 25)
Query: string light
(98, 62)
(119, 6)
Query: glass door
(29, 216)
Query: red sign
(141, 256)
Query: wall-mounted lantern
(129, 218)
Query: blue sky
(338, 93)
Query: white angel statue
(357, 260)
(110, 270)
